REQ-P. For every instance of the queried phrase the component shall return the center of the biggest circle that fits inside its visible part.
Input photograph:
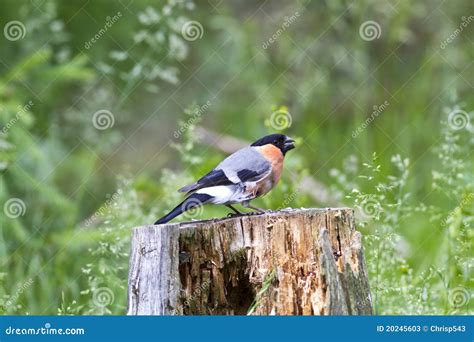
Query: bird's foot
(252, 213)
(257, 209)
(235, 214)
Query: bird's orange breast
(274, 155)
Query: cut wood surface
(289, 262)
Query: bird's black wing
(214, 178)
(247, 175)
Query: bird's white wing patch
(232, 175)
(225, 194)
(221, 194)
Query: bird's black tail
(191, 202)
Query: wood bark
(290, 262)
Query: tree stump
(290, 262)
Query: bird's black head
(283, 142)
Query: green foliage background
(408, 173)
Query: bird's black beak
(289, 144)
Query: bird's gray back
(245, 159)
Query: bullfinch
(249, 173)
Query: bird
(246, 174)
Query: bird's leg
(258, 210)
(236, 212)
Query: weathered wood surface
(290, 262)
